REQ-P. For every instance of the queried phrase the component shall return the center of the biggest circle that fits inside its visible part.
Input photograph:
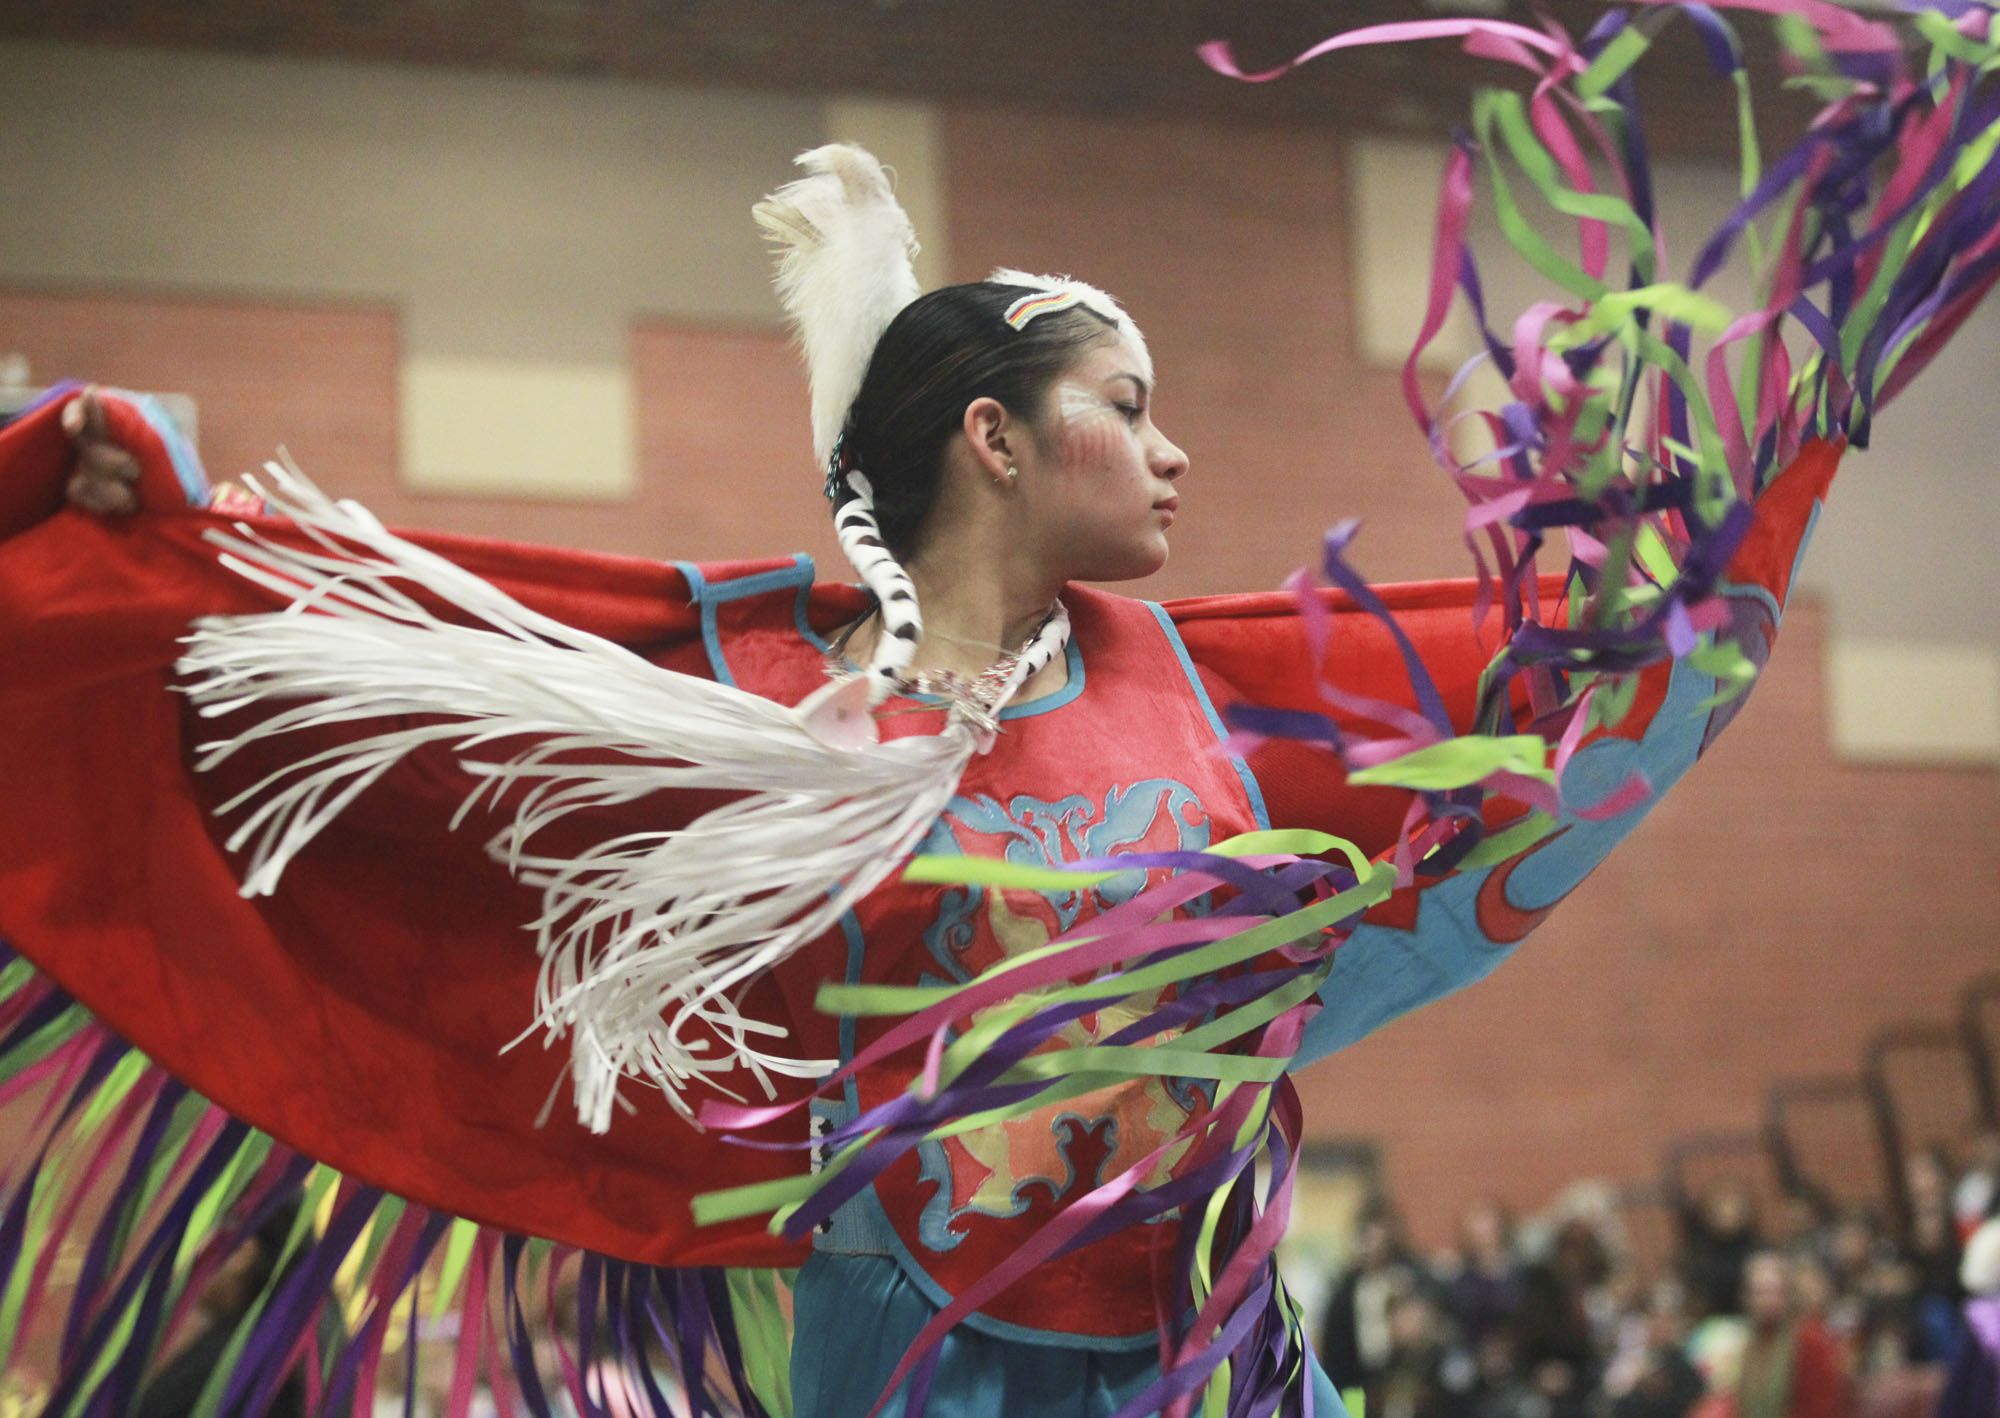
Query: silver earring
(1012, 472)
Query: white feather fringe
(646, 939)
(844, 270)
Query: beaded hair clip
(1028, 307)
(836, 468)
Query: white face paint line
(1077, 404)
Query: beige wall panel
(522, 428)
(907, 137)
(1891, 701)
(519, 225)
(512, 216)
(1391, 215)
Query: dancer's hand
(106, 480)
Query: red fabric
(1256, 647)
(1125, 764)
(359, 1015)
(1254, 650)
(1819, 1379)
(1820, 1386)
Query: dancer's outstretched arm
(369, 1001)
(1441, 932)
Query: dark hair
(942, 351)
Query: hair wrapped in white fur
(895, 594)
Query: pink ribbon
(471, 1330)
(1219, 56)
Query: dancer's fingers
(107, 497)
(83, 416)
(107, 475)
(101, 460)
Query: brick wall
(724, 407)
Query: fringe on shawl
(132, 1195)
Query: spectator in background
(1508, 1390)
(1652, 1377)
(1933, 1246)
(1498, 1389)
(1790, 1368)
(1887, 1340)
(1850, 1245)
(1869, 1313)
(1804, 1214)
(1557, 1342)
(1354, 1344)
(1484, 1289)
(1557, 1389)
(1719, 1233)
(1813, 1293)
(1417, 1380)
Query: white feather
(844, 270)
(647, 939)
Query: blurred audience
(1934, 1244)
(1483, 1281)
(1809, 1309)
(1651, 1375)
(1719, 1233)
(1355, 1341)
(1789, 1367)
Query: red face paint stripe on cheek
(1091, 443)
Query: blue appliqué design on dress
(1032, 832)
(1154, 815)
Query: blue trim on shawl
(1250, 788)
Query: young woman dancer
(1017, 1110)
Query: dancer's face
(1104, 491)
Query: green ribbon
(1460, 762)
(765, 1336)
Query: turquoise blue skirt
(856, 1316)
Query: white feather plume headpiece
(844, 253)
(845, 248)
